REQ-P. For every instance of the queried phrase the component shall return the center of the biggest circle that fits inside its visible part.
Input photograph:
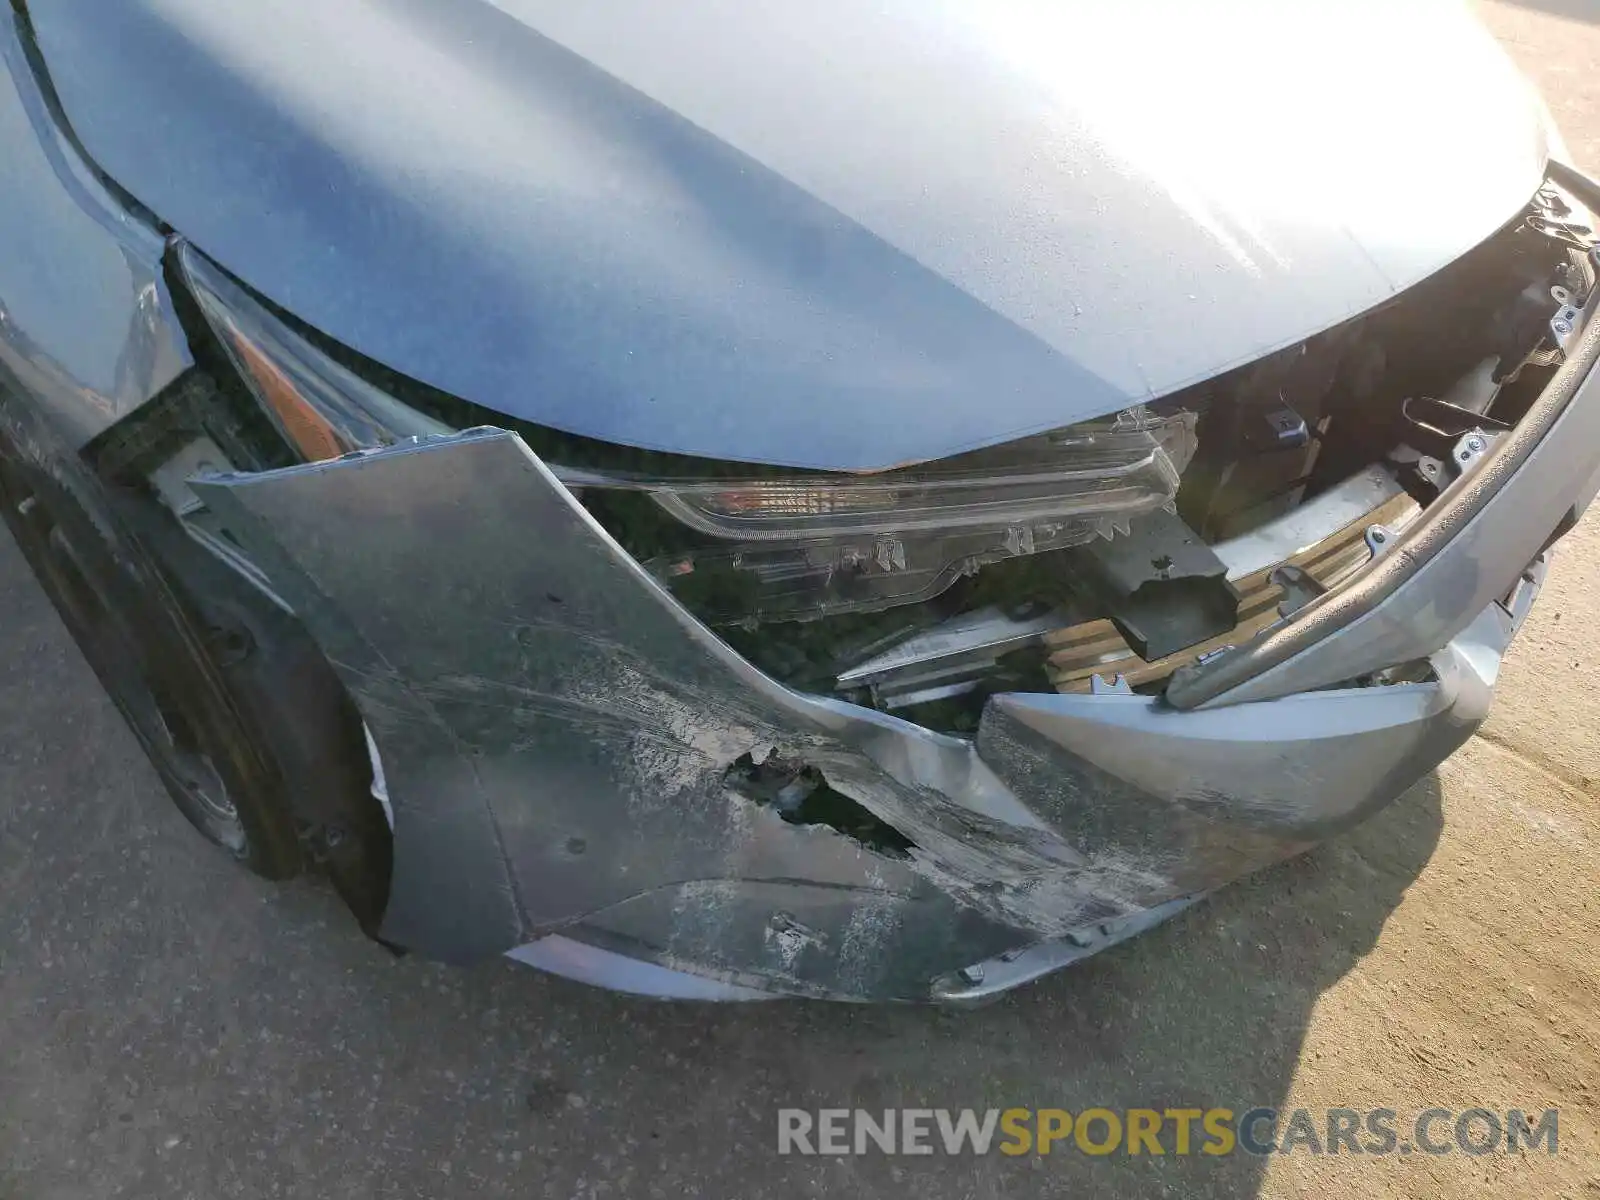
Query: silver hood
(830, 234)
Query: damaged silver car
(730, 501)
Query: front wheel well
(298, 711)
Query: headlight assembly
(815, 544)
(786, 544)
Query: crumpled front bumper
(556, 731)
(556, 728)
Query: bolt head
(1562, 327)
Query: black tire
(246, 724)
(150, 657)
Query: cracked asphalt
(172, 1028)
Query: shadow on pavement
(171, 1026)
(1572, 10)
(1209, 1011)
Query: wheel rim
(156, 714)
(191, 764)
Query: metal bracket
(1446, 437)
(1569, 317)
(1469, 450)
(1564, 325)
(1299, 586)
(1462, 453)
(1099, 685)
(1379, 539)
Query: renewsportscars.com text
(1178, 1131)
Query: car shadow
(1572, 10)
(1208, 1011)
(175, 1026)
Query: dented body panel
(557, 732)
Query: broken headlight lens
(813, 545)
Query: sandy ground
(170, 1028)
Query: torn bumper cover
(558, 731)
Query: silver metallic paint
(555, 730)
(1465, 553)
(86, 324)
(829, 234)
